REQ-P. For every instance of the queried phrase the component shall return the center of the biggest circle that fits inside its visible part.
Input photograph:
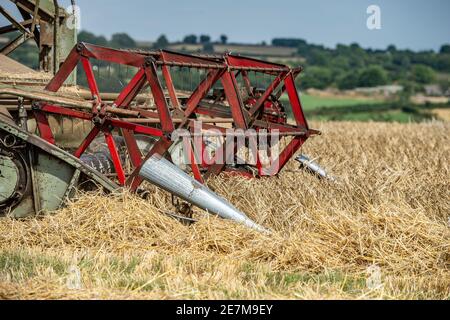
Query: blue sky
(413, 24)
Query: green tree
(223, 39)
(392, 48)
(443, 63)
(423, 74)
(205, 39)
(316, 77)
(122, 40)
(445, 49)
(161, 42)
(86, 36)
(348, 81)
(318, 58)
(373, 76)
(288, 42)
(190, 39)
(89, 37)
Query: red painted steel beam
(66, 112)
(123, 101)
(64, 71)
(176, 57)
(112, 121)
(87, 142)
(284, 157)
(238, 61)
(234, 99)
(132, 147)
(92, 83)
(272, 87)
(294, 99)
(295, 73)
(160, 99)
(247, 83)
(200, 92)
(115, 156)
(188, 149)
(131, 90)
(136, 128)
(170, 87)
(44, 127)
(112, 55)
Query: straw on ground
(388, 213)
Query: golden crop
(388, 212)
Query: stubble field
(381, 231)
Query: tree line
(342, 67)
(350, 66)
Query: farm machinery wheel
(14, 174)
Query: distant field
(257, 50)
(383, 116)
(252, 50)
(312, 102)
(360, 109)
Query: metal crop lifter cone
(164, 174)
(314, 167)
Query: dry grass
(389, 210)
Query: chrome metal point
(164, 174)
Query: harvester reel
(122, 156)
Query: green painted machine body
(37, 177)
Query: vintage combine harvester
(55, 138)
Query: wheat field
(381, 232)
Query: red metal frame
(44, 127)
(115, 156)
(223, 69)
